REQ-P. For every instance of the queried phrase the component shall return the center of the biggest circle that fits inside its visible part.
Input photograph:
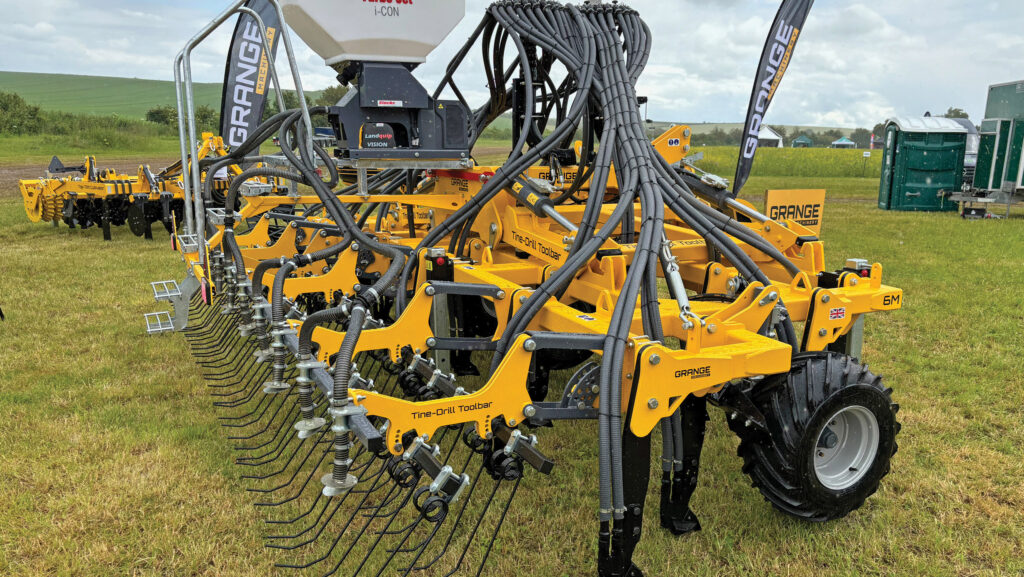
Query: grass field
(112, 461)
(104, 95)
(126, 97)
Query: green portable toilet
(924, 161)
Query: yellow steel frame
(725, 345)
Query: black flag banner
(775, 59)
(247, 74)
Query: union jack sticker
(837, 314)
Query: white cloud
(856, 62)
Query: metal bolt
(652, 403)
(398, 446)
(595, 389)
(822, 332)
(629, 376)
(431, 291)
(355, 247)
(323, 233)
(767, 228)
(654, 359)
(717, 271)
(825, 298)
(853, 282)
(477, 246)
(431, 342)
(712, 328)
(530, 345)
(500, 296)
(512, 422)
(530, 411)
(522, 299)
(747, 423)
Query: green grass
(102, 95)
(39, 149)
(112, 461)
(816, 162)
(706, 127)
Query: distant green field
(126, 97)
(801, 162)
(699, 128)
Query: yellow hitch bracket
(412, 328)
(833, 311)
(725, 348)
(504, 395)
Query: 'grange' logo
(698, 373)
(250, 80)
(778, 61)
(805, 214)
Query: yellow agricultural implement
(395, 352)
(86, 195)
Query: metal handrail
(195, 214)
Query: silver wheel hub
(846, 447)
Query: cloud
(857, 62)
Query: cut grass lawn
(112, 461)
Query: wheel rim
(846, 447)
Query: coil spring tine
(497, 528)
(323, 456)
(457, 521)
(263, 402)
(376, 542)
(277, 433)
(347, 524)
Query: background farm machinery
(391, 353)
(87, 195)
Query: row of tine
(419, 513)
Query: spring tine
(266, 428)
(458, 519)
(401, 546)
(319, 496)
(374, 487)
(310, 527)
(256, 378)
(263, 403)
(298, 468)
(324, 451)
(241, 373)
(376, 542)
(277, 456)
(497, 528)
(272, 403)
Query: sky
(857, 63)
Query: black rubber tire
(796, 406)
